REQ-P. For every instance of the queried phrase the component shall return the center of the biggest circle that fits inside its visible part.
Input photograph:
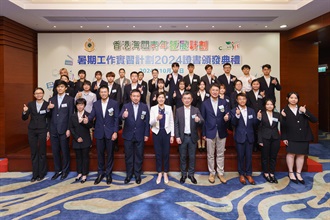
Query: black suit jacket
(252, 102)
(70, 84)
(177, 100)
(78, 87)
(80, 130)
(115, 93)
(152, 88)
(194, 84)
(269, 91)
(102, 83)
(199, 100)
(172, 86)
(229, 87)
(144, 86)
(267, 131)
(205, 79)
(39, 120)
(179, 123)
(127, 92)
(154, 102)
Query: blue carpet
(20, 199)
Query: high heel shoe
(159, 178)
(302, 181)
(267, 178)
(78, 178)
(83, 179)
(273, 179)
(165, 178)
(292, 180)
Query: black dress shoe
(83, 180)
(267, 178)
(183, 179)
(192, 179)
(138, 180)
(273, 179)
(127, 179)
(40, 178)
(293, 180)
(302, 181)
(64, 175)
(98, 179)
(109, 179)
(56, 175)
(33, 179)
(77, 179)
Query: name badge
(259, 97)
(250, 116)
(207, 95)
(275, 119)
(167, 97)
(193, 116)
(222, 108)
(194, 80)
(64, 105)
(227, 100)
(42, 112)
(114, 91)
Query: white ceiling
(155, 15)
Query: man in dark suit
(122, 81)
(61, 108)
(187, 119)
(172, 80)
(63, 71)
(97, 84)
(105, 112)
(269, 83)
(78, 86)
(244, 120)
(215, 113)
(209, 78)
(144, 86)
(227, 79)
(192, 80)
(152, 83)
(114, 88)
(135, 132)
(129, 87)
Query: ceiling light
(240, 26)
(187, 26)
(212, 26)
(283, 26)
(108, 26)
(160, 26)
(266, 26)
(81, 26)
(54, 26)
(133, 26)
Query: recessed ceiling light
(212, 26)
(160, 26)
(266, 26)
(283, 26)
(133, 26)
(81, 26)
(187, 26)
(108, 26)
(240, 26)
(54, 26)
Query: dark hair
(201, 82)
(266, 66)
(240, 94)
(292, 93)
(226, 64)
(181, 81)
(270, 100)
(215, 85)
(223, 85)
(135, 90)
(86, 82)
(255, 80)
(65, 76)
(104, 86)
(122, 69)
(61, 82)
(208, 66)
(236, 81)
(81, 101)
(82, 71)
(175, 64)
(39, 88)
(110, 74)
(191, 65)
(155, 70)
(134, 72)
(98, 72)
(141, 72)
(187, 93)
(161, 80)
(245, 66)
(161, 93)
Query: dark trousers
(60, 143)
(133, 157)
(162, 150)
(82, 160)
(187, 150)
(104, 145)
(269, 154)
(244, 157)
(37, 142)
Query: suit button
(299, 129)
(104, 125)
(297, 121)
(57, 115)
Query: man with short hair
(227, 79)
(209, 78)
(246, 78)
(269, 83)
(172, 81)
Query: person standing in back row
(269, 83)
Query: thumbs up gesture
(159, 117)
(226, 117)
(212, 76)
(233, 79)
(85, 119)
(188, 87)
(197, 119)
(25, 108)
(250, 80)
(96, 87)
(79, 94)
(259, 115)
(169, 76)
(302, 109)
(174, 94)
(238, 112)
(125, 114)
(50, 105)
(262, 93)
(274, 81)
(283, 113)
(154, 98)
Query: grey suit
(126, 81)
(188, 140)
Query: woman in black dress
(296, 134)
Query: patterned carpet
(20, 199)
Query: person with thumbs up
(246, 78)
(81, 142)
(296, 134)
(269, 83)
(172, 81)
(37, 133)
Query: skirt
(298, 147)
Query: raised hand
(50, 105)
(188, 87)
(154, 98)
(125, 114)
(169, 76)
(85, 120)
(259, 115)
(226, 117)
(233, 79)
(283, 113)
(238, 112)
(302, 109)
(25, 108)
(262, 93)
(250, 80)
(80, 140)
(198, 93)
(274, 81)
(174, 94)
(96, 87)
(197, 119)
(159, 117)
(79, 94)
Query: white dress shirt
(135, 108)
(104, 106)
(267, 80)
(187, 120)
(175, 77)
(243, 113)
(270, 118)
(202, 94)
(245, 80)
(215, 105)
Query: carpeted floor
(20, 199)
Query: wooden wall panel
(2, 107)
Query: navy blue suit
(244, 138)
(172, 85)
(104, 129)
(134, 132)
(59, 124)
(97, 91)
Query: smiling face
(241, 100)
(293, 99)
(80, 107)
(104, 93)
(135, 97)
(161, 99)
(187, 99)
(39, 94)
(61, 89)
(214, 92)
(269, 105)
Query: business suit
(215, 131)
(104, 129)
(161, 134)
(172, 85)
(244, 138)
(125, 82)
(199, 99)
(78, 86)
(193, 84)
(188, 140)
(134, 131)
(37, 135)
(59, 124)
(144, 86)
(152, 87)
(96, 91)
(154, 95)
(177, 100)
(81, 130)
(255, 103)
(229, 86)
(127, 92)
(70, 84)
(208, 85)
(269, 91)
(268, 135)
(115, 93)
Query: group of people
(194, 111)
